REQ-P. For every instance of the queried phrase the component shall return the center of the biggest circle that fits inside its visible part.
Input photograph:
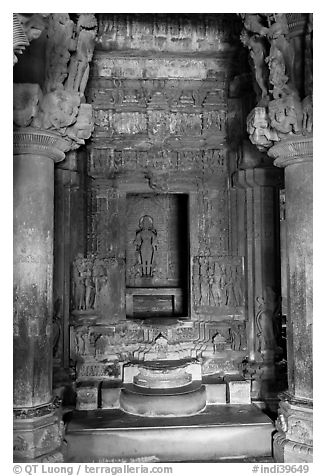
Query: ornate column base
(293, 440)
(38, 435)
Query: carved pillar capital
(258, 177)
(292, 151)
(29, 141)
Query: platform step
(218, 433)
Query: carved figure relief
(146, 246)
(268, 309)
(89, 278)
(78, 285)
(69, 50)
(258, 53)
(78, 71)
(281, 112)
(89, 283)
(217, 283)
(238, 338)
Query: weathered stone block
(110, 396)
(215, 393)
(38, 436)
(129, 372)
(87, 396)
(238, 391)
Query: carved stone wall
(162, 122)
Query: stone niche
(161, 261)
(157, 255)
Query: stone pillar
(37, 427)
(66, 220)
(260, 204)
(293, 441)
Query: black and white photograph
(162, 240)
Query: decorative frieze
(167, 32)
(102, 351)
(109, 162)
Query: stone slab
(218, 433)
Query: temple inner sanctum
(162, 237)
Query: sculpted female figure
(145, 241)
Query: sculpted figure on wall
(238, 337)
(78, 285)
(217, 283)
(89, 283)
(89, 278)
(146, 246)
(257, 51)
(99, 277)
(266, 320)
(85, 35)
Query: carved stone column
(66, 220)
(293, 441)
(260, 212)
(37, 427)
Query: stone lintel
(295, 150)
(258, 177)
(30, 141)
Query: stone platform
(218, 433)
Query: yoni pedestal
(38, 431)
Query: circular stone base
(170, 404)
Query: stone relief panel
(218, 285)
(158, 110)
(167, 32)
(108, 162)
(104, 218)
(213, 222)
(101, 351)
(97, 286)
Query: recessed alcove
(157, 255)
